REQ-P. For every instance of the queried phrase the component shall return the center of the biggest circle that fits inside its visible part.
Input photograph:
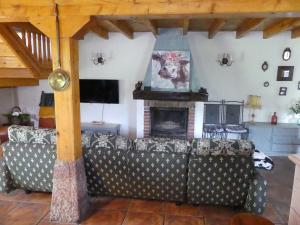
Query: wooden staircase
(25, 55)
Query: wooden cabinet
(280, 139)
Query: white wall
(128, 61)
(8, 99)
(245, 76)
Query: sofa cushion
(219, 179)
(162, 145)
(222, 147)
(158, 175)
(30, 165)
(108, 141)
(107, 172)
(30, 135)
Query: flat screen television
(99, 91)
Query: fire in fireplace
(169, 122)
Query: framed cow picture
(171, 70)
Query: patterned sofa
(202, 172)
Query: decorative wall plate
(265, 66)
(266, 84)
(287, 53)
(59, 80)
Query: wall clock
(287, 53)
(265, 66)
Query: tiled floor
(17, 208)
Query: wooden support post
(69, 195)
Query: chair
(233, 118)
(212, 121)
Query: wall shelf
(170, 96)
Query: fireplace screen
(169, 122)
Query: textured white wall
(245, 76)
(128, 61)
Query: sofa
(201, 171)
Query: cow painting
(170, 69)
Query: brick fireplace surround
(169, 104)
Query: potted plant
(296, 110)
(17, 117)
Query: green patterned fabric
(6, 183)
(219, 180)
(256, 198)
(222, 147)
(162, 145)
(106, 163)
(158, 175)
(30, 135)
(107, 172)
(107, 141)
(206, 172)
(30, 165)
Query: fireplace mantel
(170, 96)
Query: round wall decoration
(265, 66)
(59, 80)
(266, 84)
(287, 53)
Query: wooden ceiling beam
(15, 73)
(12, 9)
(16, 82)
(122, 27)
(280, 26)
(152, 26)
(295, 32)
(216, 25)
(247, 25)
(95, 27)
(185, 26)
(15, 44)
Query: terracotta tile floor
(17, 208)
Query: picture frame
(285, 73)
(282, 91)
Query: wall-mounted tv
(99, 91)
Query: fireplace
(169, 122)
(169, 119)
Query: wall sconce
(225, 59)
(98, 58)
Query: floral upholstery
(106, 163)
(205, 172)
(222, 147)
(219, 180)
(30, 135)
(108, 141)
(6, 182)
(257, 194)
(30, 165)
(162, 145)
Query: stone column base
(70, 202)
